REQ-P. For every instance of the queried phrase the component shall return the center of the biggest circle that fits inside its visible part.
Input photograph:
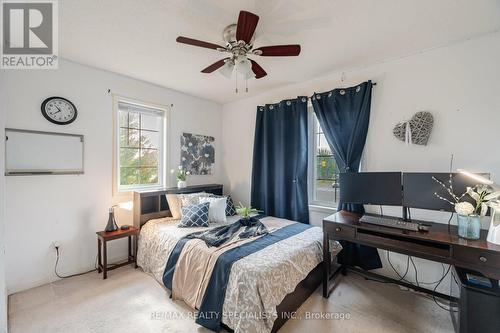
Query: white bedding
(257, 282)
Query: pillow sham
(174, 205)
(217, 209)
(195, 215)
(191, 198)
(230, 208)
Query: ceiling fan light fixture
(227, 69)
(244, 67)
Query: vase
(469, 226)
(181, 183)
(494, 232)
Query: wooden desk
(441, 243)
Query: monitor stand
(405, 214)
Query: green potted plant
(181, 176)
(245, 212)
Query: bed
(264, 288)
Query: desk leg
(129, 248)
(105, 260)
(99, 262)
(136, 241)
(326, 263)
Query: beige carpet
(132, 301)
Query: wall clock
(59, 110)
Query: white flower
(188, 173)
(180, 167)
(464, 208)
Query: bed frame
(153, 205)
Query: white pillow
(174, 205)
(191, 198)
(217, 209)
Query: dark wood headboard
(153, 204)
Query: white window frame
(163, 156)
(312, 162)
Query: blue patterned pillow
(195, 215)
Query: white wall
(459, 84)
(3, 294)
(70, 209)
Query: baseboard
(19, 287)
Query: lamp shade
(227, 69)
(244, 67)
(479, 178)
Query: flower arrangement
(469, 215)
(181, 174)
(483, 195)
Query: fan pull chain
(246, 85)
(236, 81)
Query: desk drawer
(340, 230)
(477, 257)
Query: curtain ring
(330, 94)
(342, 92)
(288, 103)
(358, 88)
(271, 107)
(303, 99)
(318, 96)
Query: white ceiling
(137, 38)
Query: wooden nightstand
(102, 239)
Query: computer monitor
(419, 189)
(375, 188)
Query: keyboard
(389, 222)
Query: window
(140, 145)
(325, 173)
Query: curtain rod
(373, 84)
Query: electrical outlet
(56, 244)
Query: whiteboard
(35, 152)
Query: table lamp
(494, 231)
(111, 226)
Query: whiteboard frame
(14, 172)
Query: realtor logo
(29, 34)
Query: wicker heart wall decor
(417, 130)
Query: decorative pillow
(191, 198)
(174, 205)
(230, 208)
(217, 209)
(195, 215)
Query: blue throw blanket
(210, 314)
(220, 235)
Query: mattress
(257, 283)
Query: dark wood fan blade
(258, 71)
(279, 50)
(200, 43)
(247, 22)
(214, 66)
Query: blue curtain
(279, 173)
(344, 115)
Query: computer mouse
(424, 227)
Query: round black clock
(59, 110)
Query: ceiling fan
(238, 40)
